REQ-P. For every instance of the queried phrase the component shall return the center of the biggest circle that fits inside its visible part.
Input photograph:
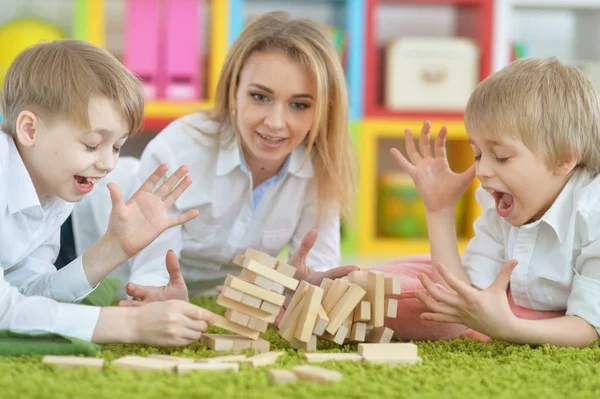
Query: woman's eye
(259, 97)
(299, 105)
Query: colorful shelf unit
(376, 137)
(473, 20)
(351, 22)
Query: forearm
(566, 331)
(443, 242)
(101, 259)
(115, 325)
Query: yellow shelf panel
(174, 109)
(381, 246)
(395, 127)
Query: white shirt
(29, 244)
(559, 254)
(223, 193)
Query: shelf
(394, 127)
(400, 247)
(159, 113)
(382, 112)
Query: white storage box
(432, 74)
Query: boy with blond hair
(534, 128)
(68, 109)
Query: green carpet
(458, 369)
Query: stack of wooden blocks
(352, 310)
(253, 300)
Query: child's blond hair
(329, 137)
(56, 79)
(553, 108)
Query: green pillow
(104, 294)
(18, 344)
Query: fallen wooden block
(185, 368)
(309, 346)
(287, 318)
(393, 285)
(322, 321)
(324, 357)
(177, 359)
(236, 343)
(400, 350)
(358, 333)
(380, 335)
(362, 312)
(336, 292)
(308, 316)
(344, 307)
(263, 359)
(316, 374)
(391, 308)
(393, 361)
(339, 337)
(277, 376)
(73, 362)
(223, 359)
(139, 363)
(233, 327)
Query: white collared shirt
(29, 244)
(223, 193)
(559, 255)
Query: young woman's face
(275, 107)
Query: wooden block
(322, 321)
(270, 308)
(398, 350)
(339, 337)
(344, 307)
(255, 291)
(359, 278)
(237, 317)
(316, 374)
(261, 346)
(324, 357)
(248, 310)
(348, 324)
(278, 288)
(73, 362)
(177, 359)
(362, 312)
(277, 376)
(296, 298)
(380, 335)
(335, 293)
(376, 295)
(393, 285)
(217, 342)
(326, 284)
(223, 359)
(261, 257)
(232, 294)
(393, 361)
(236, 328)
(144, 364)
(263, 359)
(185, 368)
(271, 274)
(286, 269)
(308, 316)
(252, 301)
(257, 324)
(358, 333)
(391, 308)
(309, 346)
(254, 278)
(290, 329)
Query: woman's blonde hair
(553, 108)
(329, 137)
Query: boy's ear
(27, 126)
(566, 165)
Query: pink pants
(408, 325)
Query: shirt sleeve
(485, 253)
(326, 253)
(584, 300)
(37, 315)
(37, 275)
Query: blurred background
(405, 61)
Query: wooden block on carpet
(263, 359)
(339, 337)
(399, 349)
(223, 359)
(309, 346)
(235, 343)
(177, 359)
(380, 335)
(139, 363)
(358, 333)
(277, 376)
(393, 361)
(73, 362)
(308, 316)
(217, 342)
(316, 374)
(219, 367)
(338, 357)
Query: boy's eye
(299, 105)
(90, 148)
(117, 150)
(259, 97)
(477, 157)
(501, 160)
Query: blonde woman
(272, 166)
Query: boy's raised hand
(176, 289)
(439, 187)
(136, 223)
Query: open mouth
(271, 139)
(85, 184)
(504, 202)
